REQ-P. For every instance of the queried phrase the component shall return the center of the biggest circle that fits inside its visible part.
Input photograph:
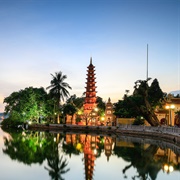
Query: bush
(138, 121)
(8, 123)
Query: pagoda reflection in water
(91, 146)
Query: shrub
(138, 121)
(8, 123)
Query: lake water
(67, 156)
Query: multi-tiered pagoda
(90, 98)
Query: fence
(159, 129)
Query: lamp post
(170, 108)
(168, 166)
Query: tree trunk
(149, 114)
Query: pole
(170, 117)
(147, 64)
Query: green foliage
(138, 121)
(77, 101)
(142, 102)
(58, 87)
(9, 123)
(28, 104)
(78, 119)
(58, 91)
(27, 149)
(36, 147)
(69, 109)
(127, 108)
(100, 103)
(101, 106)
(155, 93)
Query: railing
(160, 129)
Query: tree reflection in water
(145, 164)
(143, 159)
(57, 166)
(26, 148)
(36, 147)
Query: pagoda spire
(90, 60)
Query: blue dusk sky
(40, 37)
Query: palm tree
(57, 167)
(58, 90)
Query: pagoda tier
(90, 99)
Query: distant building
(167, 114)
(109, 116)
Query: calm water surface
(52, 156)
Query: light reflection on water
(39, 155)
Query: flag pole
(147, 64)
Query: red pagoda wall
(90, 98)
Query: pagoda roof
(91, 65)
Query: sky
(41, 37)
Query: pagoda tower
(108, 143)
(90, 98)
(109, 116)
(89, 158)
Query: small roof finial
(90, 60)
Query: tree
(123, 109)
(28, 149)
(101, 106)
(149, 100)
(27, 104)
(177, 118)
(142, 102)
(69, 109)
(57, 165)
(58, 90)
(155, 94)
(77, 101)
(140, 158)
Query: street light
(102, 120)
(94, 116)
(170, 107)
(168, 168)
